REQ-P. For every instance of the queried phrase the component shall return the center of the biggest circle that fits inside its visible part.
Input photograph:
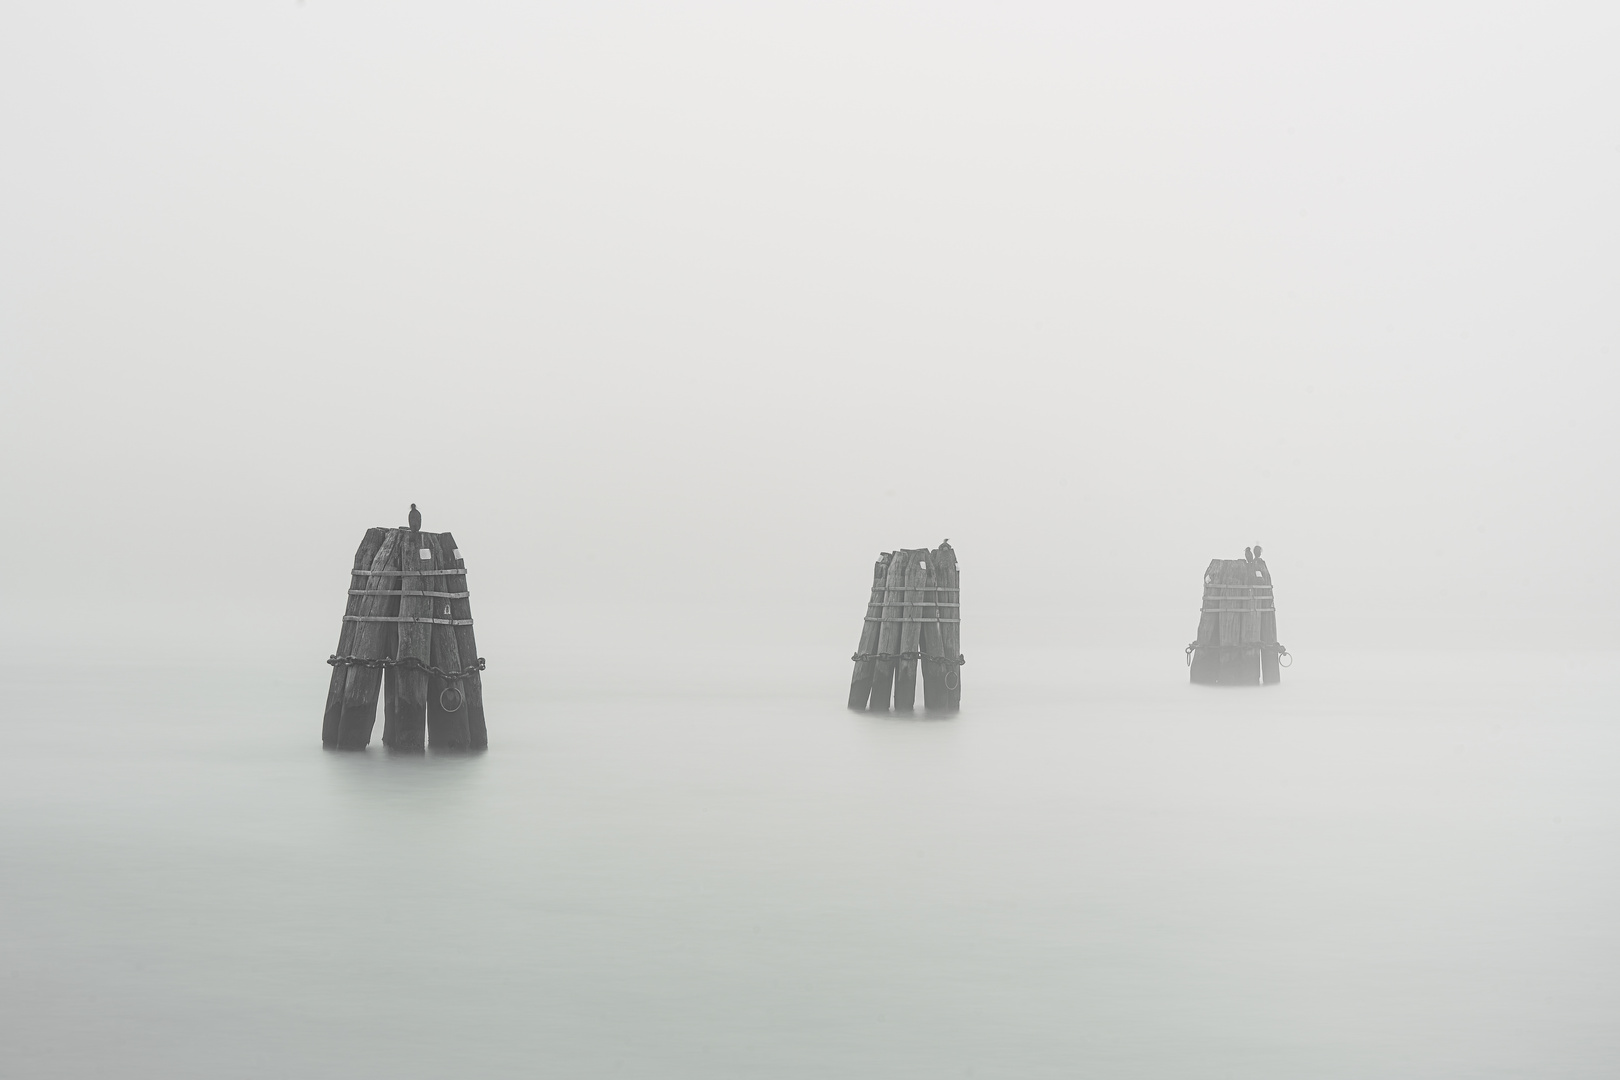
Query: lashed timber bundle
(408, 632)
(1237, 626)
(913, 619)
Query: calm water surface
(1385, 867)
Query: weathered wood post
(1237, 626)
(407, 610)
(447, 727)
(931, 643)
(363, 557)
(860, 684)
(374, 640)
(405, 724)
(949, 588)
(471, 682)
(894, 595)
(912, 620)
(905, 673)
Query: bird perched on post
(1248, 554)
(1257, 551)
(415, 519)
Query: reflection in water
(1130, 877)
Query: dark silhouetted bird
(1248, 554)
(416, 519)
(1257, 551)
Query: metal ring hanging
(451, 698)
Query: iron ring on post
(451, 699)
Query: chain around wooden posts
(404, 661)
(958, 662)
(951, 666)
(1277, 646)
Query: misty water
(1394, 865)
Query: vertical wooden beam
(1270, 671)
(410, 683)
(889, 635)
(363, 556)
(932, 640)
(447, 728)
(1239, 651)
(905, 672)
(373, 641)
(1206, 661)
(860, 683)
(466, 645)
(949, 580)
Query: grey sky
(737, 296)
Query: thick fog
(697, 308)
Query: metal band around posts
(871, 619)
(407, 592)
(406, 618)
(406, 573)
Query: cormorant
(416, 519)
(1248, 554)
(1257, 551)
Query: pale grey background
(677, 315)
(684, 304)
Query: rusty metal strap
(1276, 646)
(406, 573)
(406, 662)
(871, 619)
(958, 662)
(407, 618)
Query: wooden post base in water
(1237, 626)
(913, 624)
(408, 616)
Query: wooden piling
(948, 581)
(363, 556)
(472, 685)
(860, 683)
(1240, 626)
(372, 641)
(905, 672)
(1270, 668)
(446, 700)
(913, 621)
(410, 682)
(1237, 626)
(1204, 657)
(409, 616)
(894, 595)
(938, 605)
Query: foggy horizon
(607, 290)
(676, 316)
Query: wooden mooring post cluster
(913, 617)
(1237, 627)
(407, 630)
